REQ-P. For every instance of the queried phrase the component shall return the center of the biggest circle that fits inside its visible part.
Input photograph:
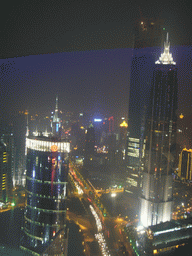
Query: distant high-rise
(46, 191)
(160, 134)
(122, 135)
(89, 149)
(185, 164)
(7, 137)
(122, 140)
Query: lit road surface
(7, 209)
(86, 227)
(99, 236)
(116, 236)
(110, 235)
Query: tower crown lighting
(166, 56)
(124, 124)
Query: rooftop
(170, 226)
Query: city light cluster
(79, 189)
(45, 146)
(98, 222)
(99, 236)
(102, 244)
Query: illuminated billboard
(97, 120)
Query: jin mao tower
(160, 134)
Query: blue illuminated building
(46, 193)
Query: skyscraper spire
(56, 102)
(166, 56)
(27, 126)
(167, 39)
(56, 108)
(56, 124)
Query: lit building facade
(160, 134)
(133, 153)
(8, 140)
(185, 164)
(134, 164)
(5, 175)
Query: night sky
(90, 53)
(33, 27)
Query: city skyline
(95, 81)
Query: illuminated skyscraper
(185, 164)
(7, 138)
(5, 175)
(122, 135)
(160, 134)
(56, 122)
(46, 191)
(122, 139)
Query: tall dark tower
(89, 144)
(160, 134)
(148, 35)
(46, 191)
